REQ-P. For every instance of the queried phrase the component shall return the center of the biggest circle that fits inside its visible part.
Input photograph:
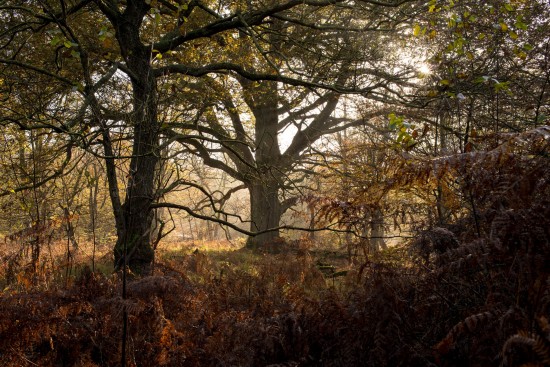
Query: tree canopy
(156, 73)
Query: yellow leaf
(503, 26)
(417, 30)
(445, 82)
(513, 35)
(107, 42)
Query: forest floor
(215, 304)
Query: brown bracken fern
(474, 291)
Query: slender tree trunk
(439, 193)
(93, 187)
(377, 230)
(311, 234)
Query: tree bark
(265, 180)
(134, 247)
(377, 230)
(265, 212)
(135, 243)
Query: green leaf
(458, 44)
(541, 118)
(55, 41)
(104, 33)
(501, 86)
(520, 24)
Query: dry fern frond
(535, 342)
(285, 364)
(148, 287)
(467, 326)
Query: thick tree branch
(224, 68)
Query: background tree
(489, 69)
(472, 92)
(248, 119)
(488, 78)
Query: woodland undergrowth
(473, 293)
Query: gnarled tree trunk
(265, 181)
(265, 212)
(134, 245)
